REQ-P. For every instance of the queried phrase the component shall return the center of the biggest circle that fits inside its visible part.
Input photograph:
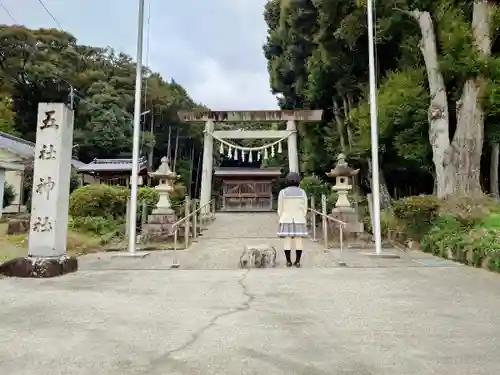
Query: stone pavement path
(221, 245)
(123, 316)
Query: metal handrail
(328, 216)
(325, 217)
(175, 227)
(180, 221)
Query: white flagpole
(136, 134)
(374, 133)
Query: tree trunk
(438, 114)
(495, 163)
(340, 125)
(174, 165)
(347, 123)
(463, 160)
(191, 170)
(385, 197)
(169, 153)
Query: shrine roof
(24, 148)
(113, 165)
(271, 172)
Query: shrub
(483, 243)
(97, 225)
(469, 210)
(277, 185)
(111, 201)
(444, 238)
(389, 224)
(331, 199)
(417, 213)
(314, 187)
(98, 200)
(491, 221)
(149, 195)
(478, 246)
(178, 195)
(465, 229)
(9, 194)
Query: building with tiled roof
(15, 153)
(112, 171)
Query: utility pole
(150, 156)
(374, 132)
(136, 135)
(374, 138)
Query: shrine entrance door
(247, 189)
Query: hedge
(99, 200)
(416, 213)
(464, 229)
(477, 246)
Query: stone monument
(50, 197)
(343, 209)
(160, 222)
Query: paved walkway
(221, 245)
(398, 317)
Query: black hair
(292, 179)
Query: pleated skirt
(292, 230)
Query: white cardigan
(292, 208)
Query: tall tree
(439, 51)
(44, 65)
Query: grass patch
(12, 246)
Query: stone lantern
(343, 210)
(342, 173)
(166, 178)
(160, 222)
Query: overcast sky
(212, 47)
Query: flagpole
(134, 180)
(374, 133)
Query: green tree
(442, 52)
(43, 65)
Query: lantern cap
(164, 171)
(342, 169)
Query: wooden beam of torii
(251, 116)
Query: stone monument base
(159, 227)
(39, 267)
(349, 216)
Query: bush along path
(463, 229)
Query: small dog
(258, 256)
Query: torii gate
(211, 117)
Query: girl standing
(292, 211)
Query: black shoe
(297, 258)
(288, 257)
